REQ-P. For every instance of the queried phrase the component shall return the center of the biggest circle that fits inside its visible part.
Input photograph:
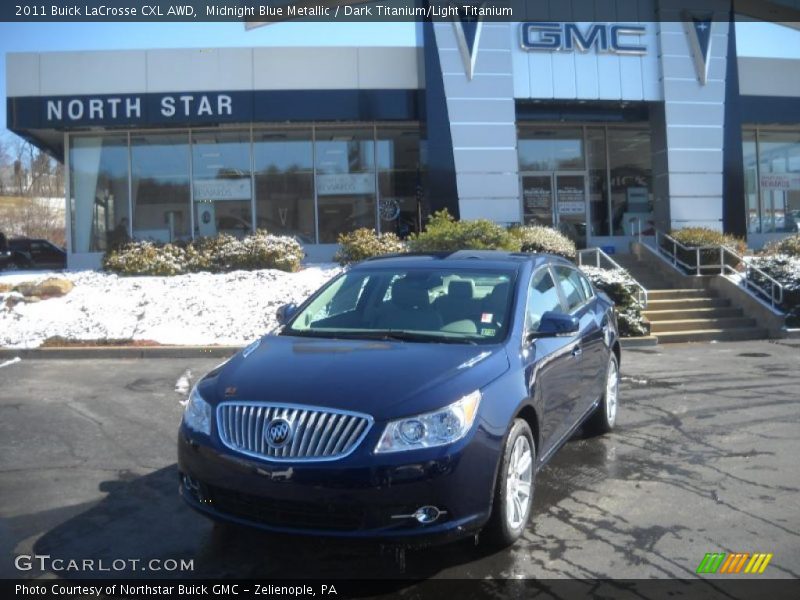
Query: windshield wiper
(399, 335)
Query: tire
(604, 418)
(511, 508)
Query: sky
(47, 37)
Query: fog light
(193, 487)
(427, 514)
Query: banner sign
(780, 181)
(343, 184)
(206, 190)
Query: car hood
(383, 378)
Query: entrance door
(556, 199)
(537, 199)
(571, 206)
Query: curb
(639, 342)
(104, 352)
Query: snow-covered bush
(444, 234)
(537, 238)
(789, 246)
(786, 270)
(216, 255)
(146, 258)
(364, 243)
(621, 288)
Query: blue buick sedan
(412, 398)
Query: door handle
(577, 351)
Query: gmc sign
(569, 37)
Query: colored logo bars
(723, 563)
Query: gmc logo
(568, 37)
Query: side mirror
(285, 312)
(554, 324)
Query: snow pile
(199, 308)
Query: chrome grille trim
(318, 433)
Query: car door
(591, 341)
(45, 254)
(549, 361)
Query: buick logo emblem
(278, 432)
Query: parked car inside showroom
(412, 398)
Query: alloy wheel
(612, 391)
(519, 483)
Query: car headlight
(197, 415)
(432, 429)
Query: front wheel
(513, 494)
(605, 415)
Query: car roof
(497, 259)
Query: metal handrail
(599, 256)
(774, 293)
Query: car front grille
(316, 434)
(286, 513)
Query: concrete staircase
(679, 313)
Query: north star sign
(129, 108)
(569, 37)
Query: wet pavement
(705, 459)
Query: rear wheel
(513, 494)
(605, 415)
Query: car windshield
(463, 306)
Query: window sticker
(486, 318)
(488, 331)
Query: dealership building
(597, 128)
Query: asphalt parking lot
(705, 459)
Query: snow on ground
(200, 308)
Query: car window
(416, 304)
(542, 297)
(571, 287)
(587, 287)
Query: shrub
(786, 270)
(364, 243)
(444, 234)
(537, 238)
(695, 237)
(789, 246)
(621, 288)
(219, 254)
(146, 258)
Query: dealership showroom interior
(400, 299)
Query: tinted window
(571, 286)
(422, 304)
(587, 287)
(542, 297)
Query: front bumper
(360, 496)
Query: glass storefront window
(160, 184)
(345, 180)
(398, 179)
(630, 164)
(98, 192)
(222, 189)
(598, 180)
(779, 181)
(751, 181)
(228, 173)
(551, 149)
(284, 174)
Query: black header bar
(256, 12)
